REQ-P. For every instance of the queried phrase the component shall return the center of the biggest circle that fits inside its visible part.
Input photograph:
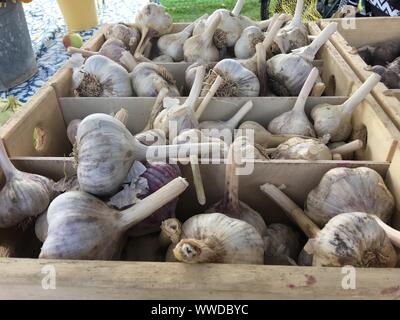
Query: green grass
(186, 10)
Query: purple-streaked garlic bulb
(335, 120)
(349, 238)
(217, 238)
(172, 44)
(153, 21)
(347, 190)
(230, 203)
(288, 72)
(296, 121)
(24, 195)
(129, 36)
(294, 35)
(83, 227)
(157, 175)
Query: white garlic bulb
(99, 76)
(201, 47)
(335, 120)
(237, 80)
(216, 238)
(24, 195)
(149, 78)
(302, 149)
(288, 72)
(245, 47)
(353, 238)
(229, 28)
(41, 227)
(72, 128)
(349, 190)
(296, 121)
(172, 44)
(230, 203)
(80, 226)
(190, 73)
(294, 35)
(153, 20)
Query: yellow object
(310, 12)
(79, 14)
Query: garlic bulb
(153, 20)
(172, 44)
(152, 137)
(217, 238)
(190, 73)
(99, 76)
(176, 118)
(130, 36)
(201, 47)
(229, 28)
(245, 47)
(106, 151)
(237, 80)
(296, 121)
(72, 128)
(288, 72)
(262, 136)
(390, 74)
(353, 238)
(24, 195)
(347, 190)
(149, 78)
(282, 245)
(295, 34)
(163, 58)
(217, 129)
(41, 227)
(311, 149)
(302, 149)
(111, 48)
(393, 234)
(335, 120)
(83, 227)
(362, 243)
(251, 63)
(230, 203)
(157, 175)
(200, 24)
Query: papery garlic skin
(237, 80)
(130, 36)
(154, 17)
(222, 240)
(103, 241)
(302, 149)
(245, 46)
(172, 44)
(354, 239)
(228, 30)
(99, 76)
(149, 78)
(349, 190)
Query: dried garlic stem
(196, 88)
(262, 68)
(151, 203)
(348, 147)
(83, 52)
(210, 94)
(5, 163)
(238, 7)
(197, 179)
(291, 209)
(122, 115)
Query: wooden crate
(354, 33)
(22, 276)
